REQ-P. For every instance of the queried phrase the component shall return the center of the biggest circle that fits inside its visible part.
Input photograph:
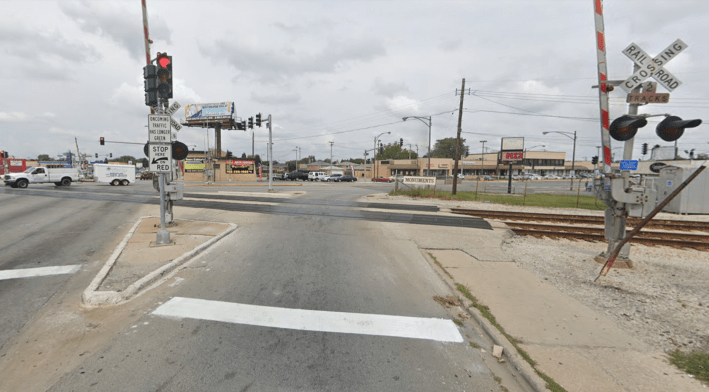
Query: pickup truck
(41, 175)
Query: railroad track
(662, 224)
(585, 230)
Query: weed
(474, 345)
(498, 379)
(435, 261)
(458, 322)
(447, 301)
(695, 363)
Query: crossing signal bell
(625, 127)
(258, 120)
(672, 127)
(101, 141)
(164, 75)
(150, 74)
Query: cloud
(48, 48)
(388, 89)
(22, 117)
(62, 131)
(131, 97)
(116, 23)
(271, 65)
(276, 98)
(14, 117)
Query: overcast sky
(338, 71)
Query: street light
(423, 120)
(482, 158)
(374, 153)
(573, 157)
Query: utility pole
(270, 154)
(409, 151)
(457, 140)
(331, 143)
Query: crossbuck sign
(652, 66)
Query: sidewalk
(578, 348)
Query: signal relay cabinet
(693, 199)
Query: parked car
(298, 175)
(485, 178)
(280, 177)
(382, 179)
(345, 178)
(315, 176)
(331, 177)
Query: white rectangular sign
(419, 181)
(159, 128)
(160, 157)
(512, 143)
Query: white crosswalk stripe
(39, 271)
(312, 320)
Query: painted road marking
(39, 271)
(441, 330)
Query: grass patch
(474, 345)
(536, 200)
(458, 322)
(695, 363)
(447, 301)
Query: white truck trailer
(41, 175)
(114, 174)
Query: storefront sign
(233, 166)
(194, 166)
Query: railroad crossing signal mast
(622, 196)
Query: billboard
(236, 166)
(209, 111)
(512, 144)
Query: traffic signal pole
(270, 154)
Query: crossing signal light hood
(672, 127)
(625, 127)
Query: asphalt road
(280, 261)
(38, 232)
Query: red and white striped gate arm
(602, 85)
(145, 29)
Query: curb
(237, 184)
(510, 352)
(93, 298)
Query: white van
(315, 176)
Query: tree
(394, 151)
(125, 159)
(358, 161)
(44, 157)
(445, 148)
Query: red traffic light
(101, 141)
(164, 61)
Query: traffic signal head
(594, 160)
(101, 141)
(96, 155)
(401, 142)
(164, 75)
(258, 120)
(251, 123)
(110, 155)
(672, 127)
(150, 74)
(243, 125)
(625, 127)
